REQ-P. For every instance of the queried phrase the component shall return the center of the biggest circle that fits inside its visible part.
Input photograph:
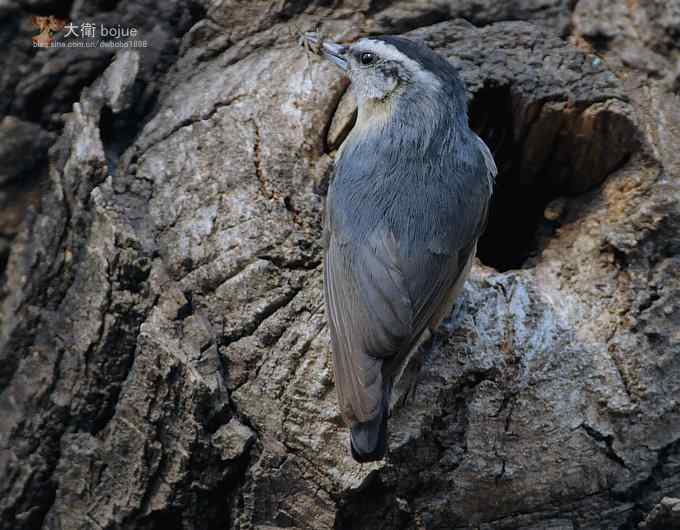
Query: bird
(406, 205)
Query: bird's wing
(370, 318)
(432, 278)
(489, 162)
(379, 303)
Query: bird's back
(429, 196)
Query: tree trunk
(164, 355)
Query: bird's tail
(368, 440)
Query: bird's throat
(374, 113)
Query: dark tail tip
(368, 440)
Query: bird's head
(387, 72)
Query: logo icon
(47, 27)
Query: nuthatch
(404, 211)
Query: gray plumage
(404, 211)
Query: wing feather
(369, 315)
(377, 311)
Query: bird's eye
(367, 58)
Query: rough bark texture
(164, 359)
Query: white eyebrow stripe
(392, 53)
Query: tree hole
(516, 209)
(544, 151)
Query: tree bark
(164, 356)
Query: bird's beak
(335, 53)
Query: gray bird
(404, 211)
